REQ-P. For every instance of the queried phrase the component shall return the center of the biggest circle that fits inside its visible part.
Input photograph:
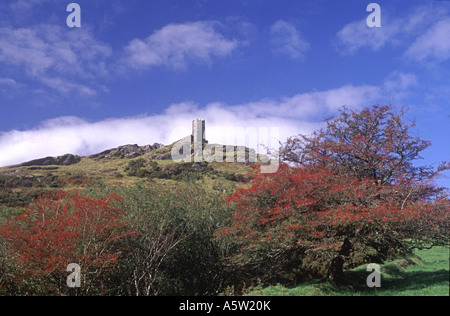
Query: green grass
(424, 274)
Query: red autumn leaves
(318, 212)
(354, 197)
(63, 228)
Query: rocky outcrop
(127, 151)
(12, 172)
(65, 160)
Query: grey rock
(64, 160)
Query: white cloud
(301, 113)
(426, 27)
(7, 82)
(399, 86)
(357, 35)
(22, 10)
(65, 86)
(9, 87)
(433, 44)
(74, 61)
(177, 44)
(400, 82)
(56, 57)
(286, 40)
(22, 5)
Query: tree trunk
(336, 270)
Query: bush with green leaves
(176, 252)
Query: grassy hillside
(424, 274)
(21, 184)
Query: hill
(126, 165)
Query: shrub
(175, 252)
(59, 229)
(134, 168)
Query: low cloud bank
(301, 113)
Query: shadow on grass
(397, 281)
(414, 280)
(425, 273)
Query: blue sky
(138, 71)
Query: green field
(424, 274)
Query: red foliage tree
(355, 197)
(60, 229)
(374, 143)
(321, 223)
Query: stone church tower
(198, 138)
(192, 144)
(198, 131)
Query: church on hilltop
(196, 141)
(198, 133)
(197, 147)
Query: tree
(63, 228)
(354, 197)
(374, 143)
(295, 224)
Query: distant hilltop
(126, 151)
(197, 142)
